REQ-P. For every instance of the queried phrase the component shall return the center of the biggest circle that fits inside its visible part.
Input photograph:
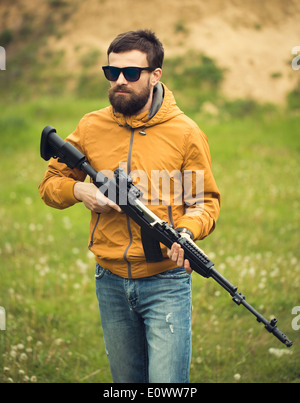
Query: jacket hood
(163, 108)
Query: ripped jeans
(146, 325)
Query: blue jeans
(146, 325)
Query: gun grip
(151, 247)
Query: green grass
(47, 275)
(255, 245)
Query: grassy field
(53, 331)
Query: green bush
(6, 37)
(293, 98)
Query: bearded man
(145, 306)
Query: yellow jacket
(148, 145)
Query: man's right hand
(93, 199)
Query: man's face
(132, 98)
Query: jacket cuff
(67, 192)
(184, 230)
(191, 225)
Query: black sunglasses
(130, 73)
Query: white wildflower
(23, 357)
(237, 377)
(67, 222)
(32, 227)
(28, 201)
(279, 352)
(58, 342)
(13, 354)
(251, 271)
(82, 266)
(8, 247)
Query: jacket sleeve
(56, 188)
(201, 194)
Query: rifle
(153, 229)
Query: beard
(130, 104)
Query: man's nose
(121, 79)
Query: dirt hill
(252, 39)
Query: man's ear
(155, 76)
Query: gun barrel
(272, 328)
(240, 299)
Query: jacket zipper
(170, 215)
(93, 232)
(128, 246)
(128, 220)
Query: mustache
(122, 88)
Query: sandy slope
(252, 39)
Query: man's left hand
(176, 253)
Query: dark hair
(143, 40)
